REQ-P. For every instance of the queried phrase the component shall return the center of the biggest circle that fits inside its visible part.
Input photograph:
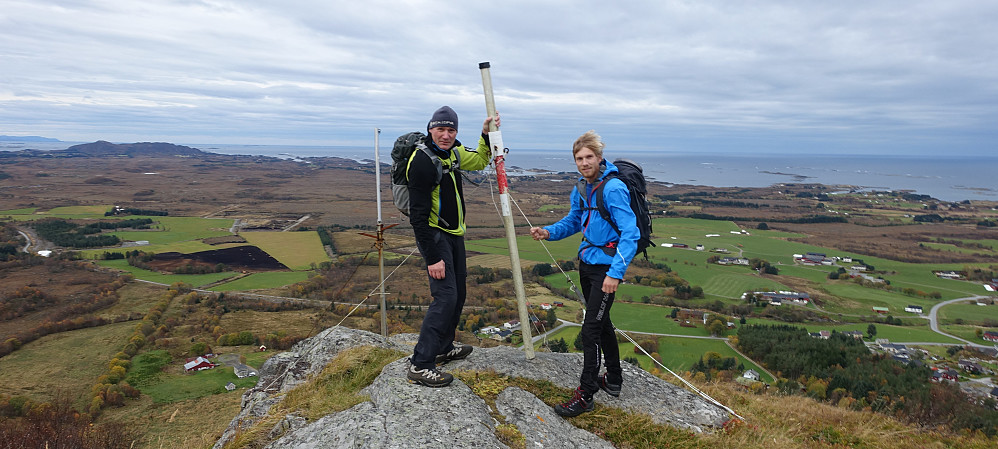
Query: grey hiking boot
(459, 352)
(610, 388)
(430, 377)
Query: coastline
(946, 178)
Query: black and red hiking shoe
(576, 406)
(610, 388)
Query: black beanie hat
(445, 116)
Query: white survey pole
(381, 235)
(499, 156)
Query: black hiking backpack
(405, 145)
(633, 176)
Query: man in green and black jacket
(436, 211)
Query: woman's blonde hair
(589, 140)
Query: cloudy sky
(885, 77)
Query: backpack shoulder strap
(601, 203)
(434, 159)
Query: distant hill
(104, 148)
(27, 139)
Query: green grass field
(162, 378)
(964, 331)
(677, 353)
(948, 247)
(681, 353)
(184, 247)
(727, 283)
(969, 312)
(64, 363)
(174, 387)
(24, 211)
(869, 297)
(167, 230)
(258, 281)
(651, 319)
(195, 280)
(296, 250)
(78, 210)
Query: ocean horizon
(947, 178)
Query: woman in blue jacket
(603, 259)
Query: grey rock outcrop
(403, 415)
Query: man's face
(443, 136)
(588, 163)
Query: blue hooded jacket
(599, 232)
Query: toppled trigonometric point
(401, 414)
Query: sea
(944, 177)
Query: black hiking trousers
(436, 336)
(597, 330)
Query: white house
(751, 374)
(913, 309)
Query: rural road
(934, 321)
(35, 243)
(27, 238)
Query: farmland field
(178, 229)
(264, 280)
(175, 385)
(296, 250)
(77, 210)
(678, 354)
(682, 353)
(870, 297)
(969, 312)
(66, 362)
(24, 211)
(195, 280)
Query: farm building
(913, 309)
(990, 336)
(881, 310)
(854, 334)
(940, 375)
(777, 298)
(971, 367)
(687, 314)
(824, 335)
(813, 259)
(242, 370)
(198, 364)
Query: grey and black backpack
(405, 145)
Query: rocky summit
(404, 415)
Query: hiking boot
(430, 377)
(575, 406)
(459, 352)
(610, 388)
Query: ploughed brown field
(238, 258)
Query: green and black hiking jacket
(440, 206)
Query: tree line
(71, 235)
(842, 371)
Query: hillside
(501, 400)
(152, 149)
(129, 340)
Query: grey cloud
(851, 74)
